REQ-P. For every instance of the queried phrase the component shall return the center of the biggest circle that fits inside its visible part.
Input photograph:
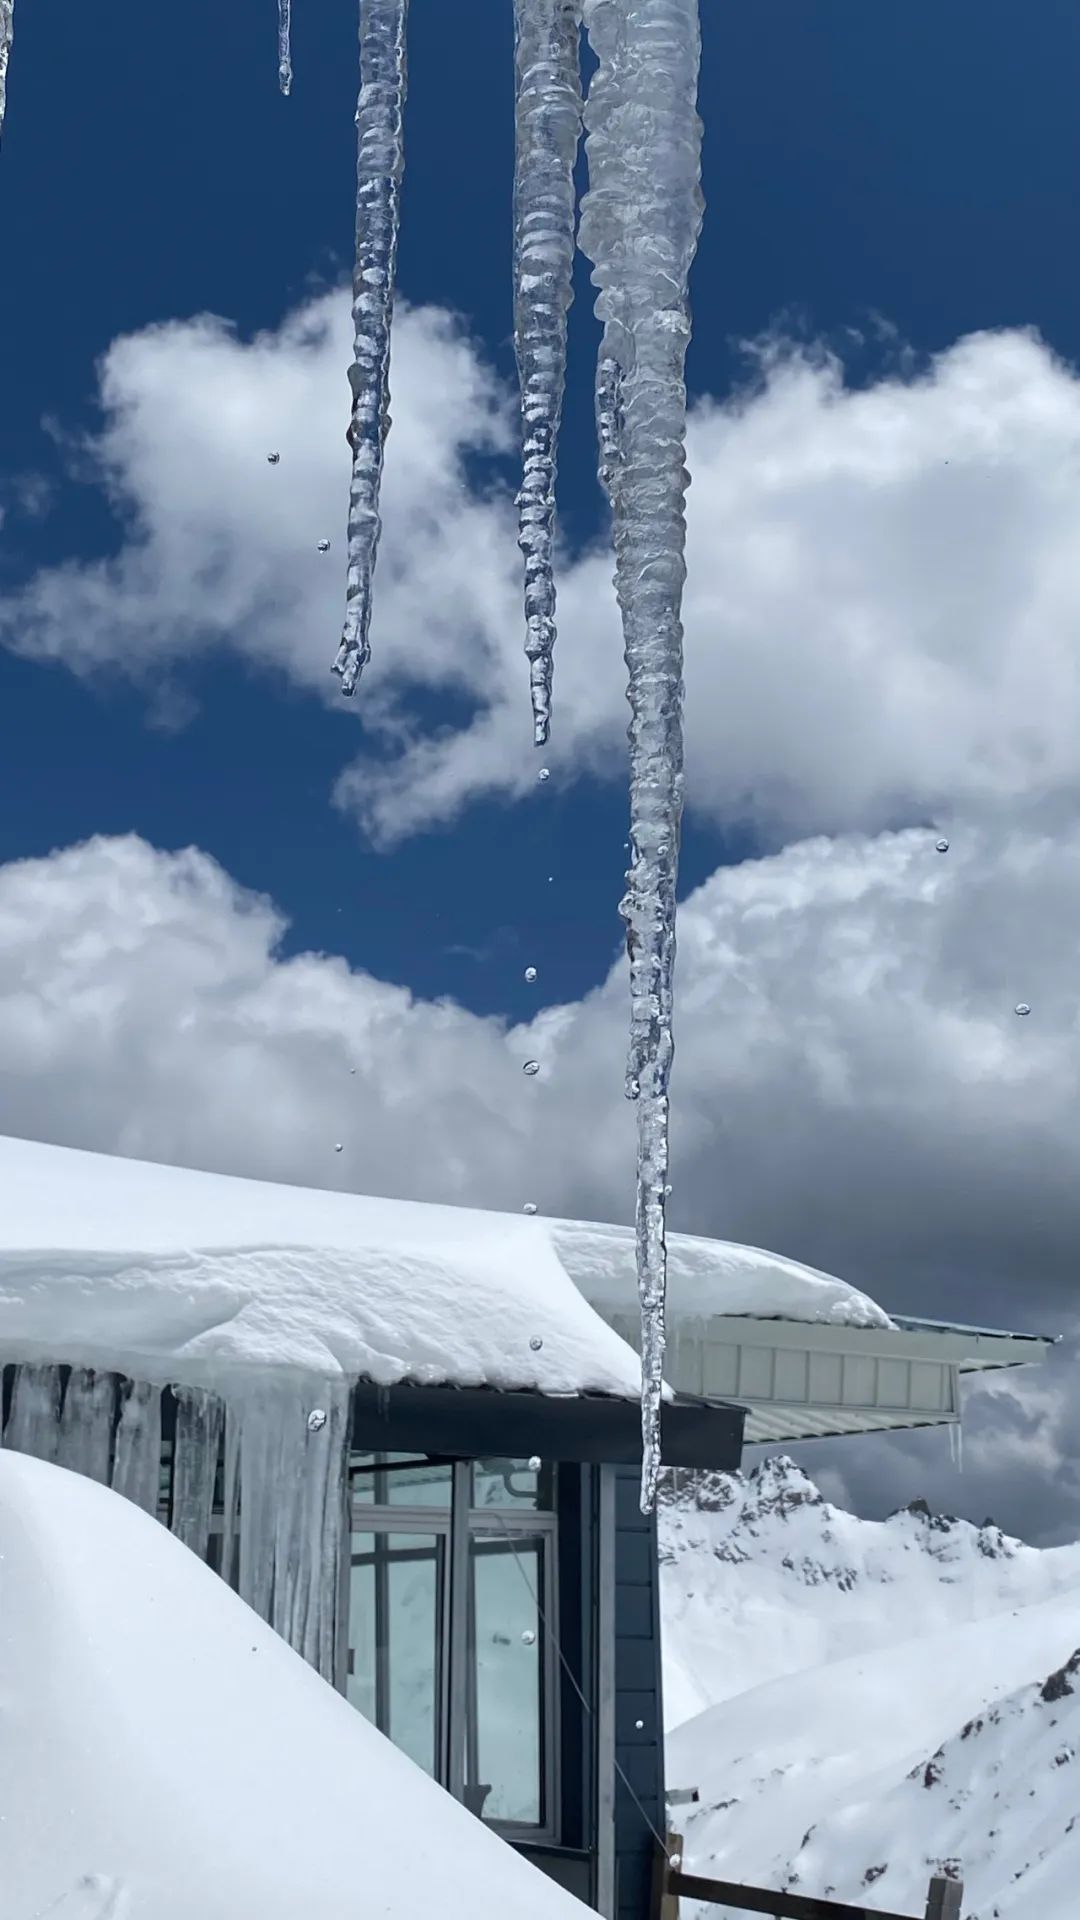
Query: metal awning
(806, 1380)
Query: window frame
(459, 1523)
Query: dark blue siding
(639, 1750)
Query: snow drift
(166, 1756)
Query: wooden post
(945, 1898)
(665, 1904)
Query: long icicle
(379, 165)
(284, 47)
(640, 223)
(547, 56)
(7, 34)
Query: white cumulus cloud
(884, 581)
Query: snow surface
(167, 1757)
(834, 1658)
(177, 1275)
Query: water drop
(273, 458)
(322, 546)
(667, 1190)
(941, 846)
(632, 1088)
(536, 1343)
(316, 1420)
(528, 1638)
(530, 974)
(339, 1146)
(639, 1724)
(529, 1207)
(535, 1463)
(544, 773)
(1022, 1008)
(531, 1067)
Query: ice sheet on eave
(174, 1275)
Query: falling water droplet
(639, 1724)
(632, 1089)
(667, 1190)
(535, 1463)
(273, 458)
(1022, 1008)
(530, 974)
(535, 1342)
(316, 1420)
(544, 773)
(339, 1146)
(531, 1067)
(941, 846)
(529, 1207)
(322, 546)
(528, 1638)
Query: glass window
(396, 1612)
(513, 1483)
(400, 1480)
(507, 1734)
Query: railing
(943, 1901)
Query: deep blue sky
(920, 162)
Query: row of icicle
(639, 225)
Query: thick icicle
(137, 1458)
(86, 1424)
(7, 33)
(292, 1475)
(379, 165)
(639, 225)
(199, 1422)
(284, 47)
(34, 1421)
(548, 128)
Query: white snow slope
(881, 1703)
(164, 1756)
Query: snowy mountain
(861, 1702)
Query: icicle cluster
(379, 165)
(283, 1486)
(7, 30)
(284, 48)
(548, 130)
(640, 222)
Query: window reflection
(396, 1612)
(513, 1483)
(504, 1768)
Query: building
(409, 1436)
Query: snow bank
(172, 1274)
(166, 1756)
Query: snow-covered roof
(183, 1275)
(166, 1755)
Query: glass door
(397, 1611)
